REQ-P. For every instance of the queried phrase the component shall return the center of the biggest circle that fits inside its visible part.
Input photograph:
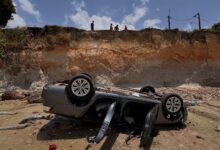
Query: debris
(192, 103)
(200, 137)
(12, 95)
(200, 102)
(198, 97)
(35, 97)
(26, 122)
(52, 147)
(32, 97)
(34, 117)
(8, 113)
(13, 127)
(130, 136)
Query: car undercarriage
(136, 111)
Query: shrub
(6, 10)
(2, 45)
(58, 39)
(17, 39)
(216, 27)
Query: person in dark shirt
(111, 27)
(126, 28)
(92, 26)
(116, 28)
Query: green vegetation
(6, 10)
(58, 39)
(2, 45)
(56, 35)
(19, 39)
(216, 27)
(16, 39)
(50, 37)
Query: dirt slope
(159, 58)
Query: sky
(136, 14)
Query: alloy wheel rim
(80, 87)
(173, 104)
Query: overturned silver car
(112, 107)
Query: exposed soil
(156, 57)
(200, 132)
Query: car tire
(172, 104)
(87, 74)
(80, 88)
(147, 89)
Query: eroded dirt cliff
(155, 57)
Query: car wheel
(147, 89)
(172, 103)
(80, 88)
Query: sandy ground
(67, 134)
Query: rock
(32, 97)
(37, 85)
(102, 79)
(35, 97)
(200, 137)
(12, 95)
(217, 129)
(7, 113)
(198, 97)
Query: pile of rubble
(19, 94)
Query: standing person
(92, 26)
(116, 28)
(111, 27)
(126, 28)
